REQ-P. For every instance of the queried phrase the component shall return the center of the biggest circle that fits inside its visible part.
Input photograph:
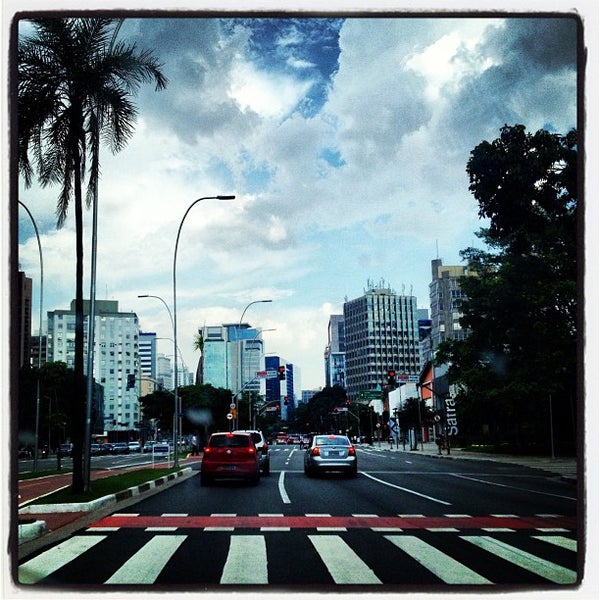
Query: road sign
(229, 416)
(270, 374)
(232, 405)
(369, 394)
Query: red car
(230, 456)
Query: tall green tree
(518, 368)
(74, 87)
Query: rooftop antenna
(437, 250)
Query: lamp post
(172, 327)
(37, 401)
(176, 403)
(242, 354)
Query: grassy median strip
(106, 486)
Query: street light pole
(37, 401)
(241, 372)
(176, 403)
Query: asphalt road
(406, 521)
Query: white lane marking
(559, 540)
(46, 563)
(512, 487)
(443, 566)
(246, 561)
(148, 562)
(406, 490)
(284, 497)
(343, 564)
(529, 562)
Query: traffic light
(286, 401)
(392, 378)
(130, 380)
(281, 370)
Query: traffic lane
(440, 487)
(221, 497)
(514, 479)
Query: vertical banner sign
(451, 420)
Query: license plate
(229, 467)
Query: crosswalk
(308, 557)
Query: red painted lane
(348, 522)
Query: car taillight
(315, 451)
(251, 449)
(351, 451)
(207, 450)
(265, 449)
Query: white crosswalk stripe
(45, 564)
(440, 564)
(148, 562)
(341, 561)
(246, 561)
(534, 564)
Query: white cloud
(408, 102)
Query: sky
(345, 142)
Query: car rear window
(229, 441)
(331, 440)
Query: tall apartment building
(24, 299)
(164, 371)
(116, 355)
(444, 292)
(335, 352)
(382, 333)
(147, 352)
(231, 357)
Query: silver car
(330, 453)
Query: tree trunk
(80, 387)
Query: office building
(444, 294)
(231, 357)
(164, 372)
(286, 390)
(116, 355)
(335, 352)
(381, 334)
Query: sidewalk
(38, 520)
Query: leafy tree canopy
(521, 307)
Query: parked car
(148, 446)
(264, 453)
(66, 449)
(107, 448)
(230, 456)
(120, 448)
(330, 453)
(95, 449)
(135, 447)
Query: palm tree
(74, 86)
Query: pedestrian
(194, 445)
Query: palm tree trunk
(80, 387)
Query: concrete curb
(30, 531)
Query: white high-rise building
(381, 334)
(116, 355)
